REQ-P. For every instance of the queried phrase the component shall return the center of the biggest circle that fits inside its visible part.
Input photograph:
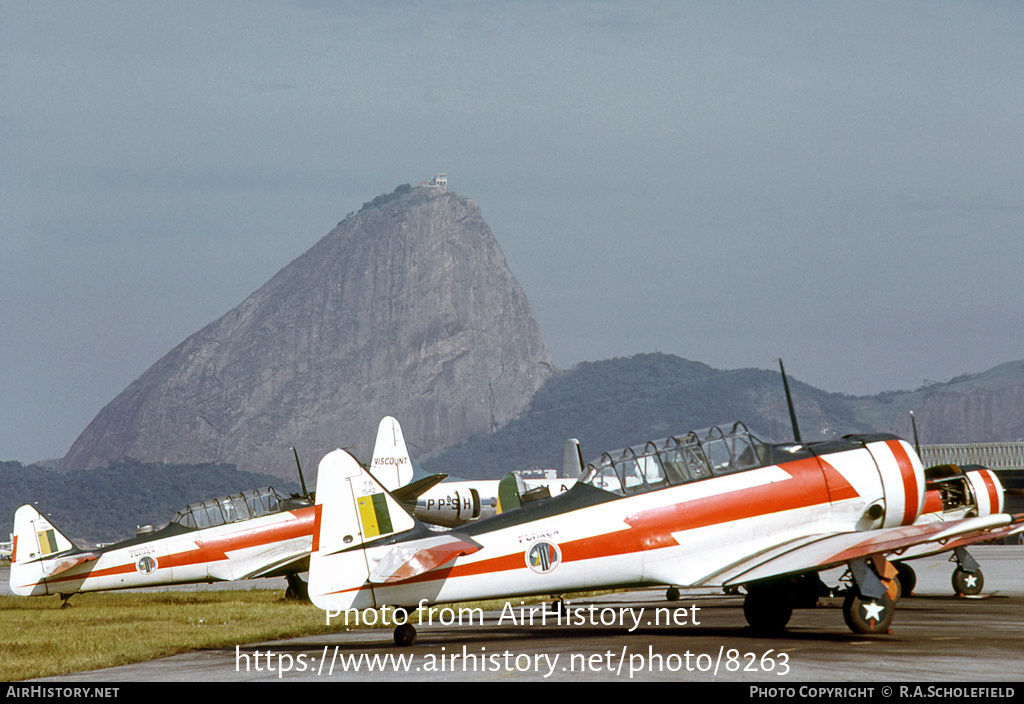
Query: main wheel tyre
(868, 616)
(967, 583)
(908, 578)
(405, 634)
(768, 608)
(297, 589)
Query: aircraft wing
(401, 562)
(1013, 528)
(827, 550)
(934, 548)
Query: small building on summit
(438, 181)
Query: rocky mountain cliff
(985, 407)
(406, 308)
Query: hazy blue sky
(836, 184)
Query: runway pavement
(703, 637)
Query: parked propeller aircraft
(709, 508)
(953, 493)
(950, 494)
(256, 533)
(451, 503)
(245, 536)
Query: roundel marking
(543, 557)
(146, 565)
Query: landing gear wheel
(768, 608)
(907, 578)
(405, 635)
(297, 589)
(894, 588)
(967, 583)
(868, 616)
(672, 594)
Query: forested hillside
(625, 401)
(620, 402)
(108, 503)
(607, 405)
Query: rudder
(35, 540)
(353, 509)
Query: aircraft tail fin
(510, 491)
(353, 509)
(36, 543)
(391, 464)
(572, 459)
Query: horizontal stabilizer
(61, 564)
(292, 563)
(410, 492)
(408, 561)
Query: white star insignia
(873, 611)
(971, 581)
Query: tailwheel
(672, 594)
(967, 583)
(868, 616)
(405, 635)
(907, 578)
(768, 607)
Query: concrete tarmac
(936, 638)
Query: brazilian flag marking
(374, 515)
(47, 542)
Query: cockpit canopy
(699, 454)
(229, 509)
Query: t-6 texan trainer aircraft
(953, 493)
(253, 534)
(256, 533)
(709, 508)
